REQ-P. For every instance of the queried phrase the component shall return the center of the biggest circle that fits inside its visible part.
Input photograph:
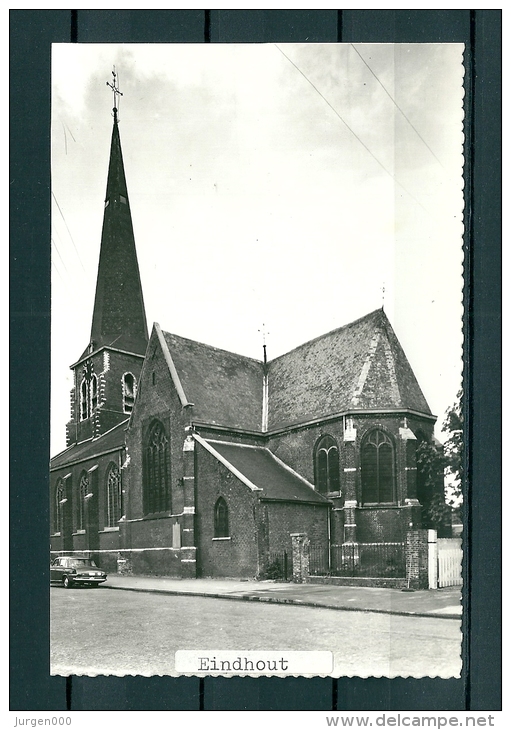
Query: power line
(56, 268)
(70, 132)
(60, 257)
(70, 236)
(353, 132)
(64, 127)
(396, 104)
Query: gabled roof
(226, 389)
(109, 441)
(260, 467)
(358, 366)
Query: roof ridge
(400, 356)
(260, 467)
(219, 457)
(234, 443)
(330, 332)
(213, 347)
(89, 439)
(171, 366)
(293, 349)
(290, 469)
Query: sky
(284, 188)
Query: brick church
(183, 459)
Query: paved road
(102, 631)
(445, 603)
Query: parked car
(72, 571)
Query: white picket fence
(450, 555)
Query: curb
(283, 601)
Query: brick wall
(287, 518)
(337, 524)
(156, 399)
(238, 555)
(95, 537)
(109, 368)
(385, 524)
(296, 448)
(417, 559)
(374, 524)
(155, 562)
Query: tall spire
(119, 318)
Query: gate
(319, 564)
(280, 566)
(450, 556)
(359, 559)
(369, 560)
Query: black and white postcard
(256, 428)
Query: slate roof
(358, 366)
(225, 388)
(109, 441)
(261, 468)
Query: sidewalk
(442, 603)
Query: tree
(440, 470)
(453, 450)
(431, 465)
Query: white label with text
(254, 662)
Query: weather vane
(264, 333)
(115, 90)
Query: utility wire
(70, 236)
(64, 127)
(353, 132)
(55, 267)
(64, 279)
(65, 137)
(70, 132)
(60, 257)
(396, 104)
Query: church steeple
(119, 318)
(107, 373)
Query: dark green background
(31, 35)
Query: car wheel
(67, 582)
(94, 585)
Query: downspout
(329, 527)
(265, 392)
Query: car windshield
(81, 563)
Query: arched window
(88, 397)
(129, 390)
(113, 492)
(377, 468)
(156, 470)
(327, 465)
(84, 400)
(83, 490)
(93, 393)
(221, 518)
(60, 496)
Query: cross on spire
(115, 90)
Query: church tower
(107, 373)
